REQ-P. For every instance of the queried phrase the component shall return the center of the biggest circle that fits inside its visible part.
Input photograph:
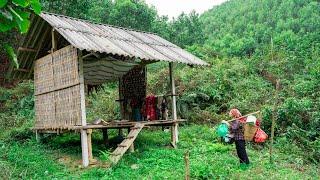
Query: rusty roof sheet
(102, 38)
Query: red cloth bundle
(260, 136)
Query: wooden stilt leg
(90, 156)
(176, 132)
(173, 137)
(105, 137)
(131, 148)
(120, 132)
(84, 148)
(38, 136)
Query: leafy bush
(17, 110)
(102, 103)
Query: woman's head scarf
(235, 113)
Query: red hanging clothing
(151, 107)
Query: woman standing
(237, 130)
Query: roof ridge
(92, 22)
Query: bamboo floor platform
(113, 125)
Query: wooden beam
(38, 50)
(26, 43)
(26, 49)
(22, 70)
(53, 41)
(84, 135)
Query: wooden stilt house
(66, 55)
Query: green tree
(186, 30)
(132, 14)
(15, 14)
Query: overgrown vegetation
(60, 156)
(235, 38)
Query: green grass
(58, 157)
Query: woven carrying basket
(249, 132)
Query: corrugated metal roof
(118, 41)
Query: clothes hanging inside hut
(151, 107)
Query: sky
(173, 8)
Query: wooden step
(122, 148)
(115, 154)
(129, 137)
(121, 145)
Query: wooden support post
(120, 133)
(173, 92)
(105, 137)
(89, 133)
(84, 135)
(174, 128)
(38, 136)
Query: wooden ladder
(122, 148)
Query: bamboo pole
(274, 115)
(257, 112)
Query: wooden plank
(126, 143)
(130, 124)
(121, 145)
(118, 125)
(129, 137)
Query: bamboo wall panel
(45, 110)
(65, 66)
(43, 75)
(68, 111)
(57, 90)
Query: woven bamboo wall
(57, 90)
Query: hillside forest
(249, 44)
